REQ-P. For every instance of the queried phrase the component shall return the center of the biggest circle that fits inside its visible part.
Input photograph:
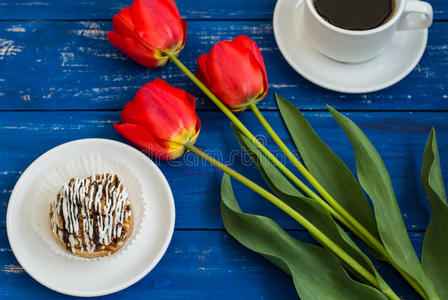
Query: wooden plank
(104, 9)
(399, 137)
(197, 265)
(71, 65)
(198, 9)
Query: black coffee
(355, 14)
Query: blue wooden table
(61, 80)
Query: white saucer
(397, 61)
(92, 278)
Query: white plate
(92, 278)
(397, 61)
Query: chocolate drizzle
(91, 214)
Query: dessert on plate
(92, 217)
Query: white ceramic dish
(92, 278)
(395, 63)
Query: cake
(92, 217)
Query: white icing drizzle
(102, 224)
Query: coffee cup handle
(416, 15)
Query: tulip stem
(360, 230)
(289, 174)
(354, 224)
(257, 143)
(319, 235)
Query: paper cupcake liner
(81, 167)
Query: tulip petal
(148, 29)
(173, 4)
(125, 38)
(143, 139)
(235, 75)
(162, 109)
(122, 23)
(201, 72)
(158, 22)
(135, 50)
(249, 44)
(180, 93)
(197, 129)
(184, 27)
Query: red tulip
(160, 120)
(148, 30)
(234, 71)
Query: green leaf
(329, 170)
(316, 273)
(309, 208)
(375, 180)
(435, 244)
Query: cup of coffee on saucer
(355, 31)
(352, 46)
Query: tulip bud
(148, 30)
(234, 71)
(160, 120)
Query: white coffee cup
(354, 46)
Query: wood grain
(399, 137)
(71, 65)
(198, 265)
(105, 9)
